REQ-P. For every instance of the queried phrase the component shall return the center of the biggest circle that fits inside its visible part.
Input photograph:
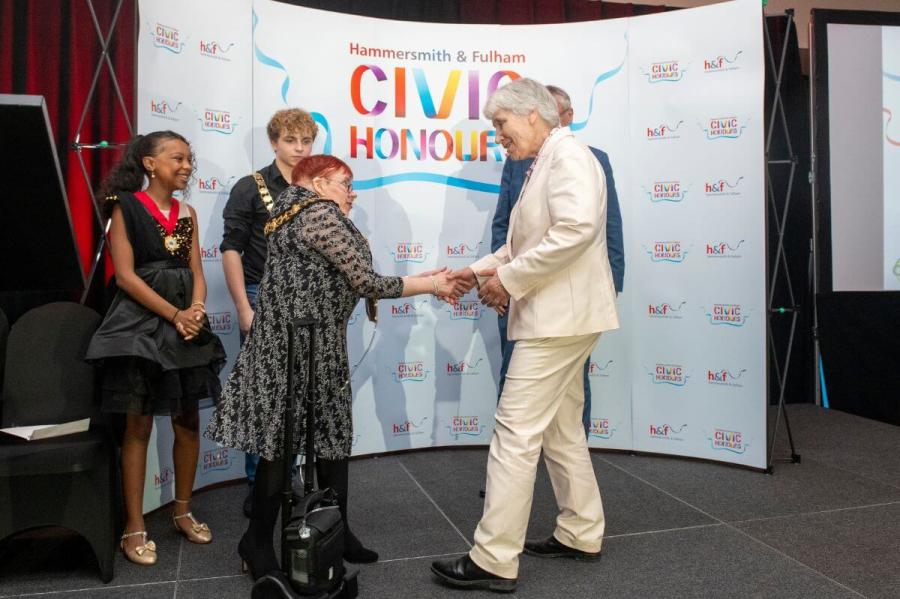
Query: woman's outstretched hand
(449, 288)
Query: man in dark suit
(510, 186)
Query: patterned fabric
(318, 266)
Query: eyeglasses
(348, 185)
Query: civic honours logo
(163, 108)
(409, 251)
(596, 370)
(669, 374)
(463, 368)
(667, 251)
(723, 249)
(667, 431)
(667, 191)
(721, 63)
(467, 426)
(218, 458)
(408, 427)
(600, 428)
(463, 251)
(725, 378)
(665, 310)
(218, 121)
(214, 49)
(726, 127)
(724, 440)
(666, 71)
(406, 372)
(722, 187)
(727, 314)
(167, 38)
(664, 131)
(465, 310)
(221, 322)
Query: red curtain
(51, 48)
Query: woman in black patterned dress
(158, 355)
(318, 266)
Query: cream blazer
(554, 263)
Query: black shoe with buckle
(463, 573)
(550, 547)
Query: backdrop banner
(675, 99)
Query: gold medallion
(170, 242)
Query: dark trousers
(506, 347)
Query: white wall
(801, 8)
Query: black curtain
(503, 12)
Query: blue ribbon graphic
(366, 184)
(286, 84)
(600, 78)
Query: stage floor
(828, 527)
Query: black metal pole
(309, 468)
(287, 449)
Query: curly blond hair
(291, 120)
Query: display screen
(864, 146)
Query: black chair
(69, 481)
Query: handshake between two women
(450, 285)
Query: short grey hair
(565, 102)
(521, 97)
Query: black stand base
(277, 586)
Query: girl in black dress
(157, 351)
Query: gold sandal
(198, 532)
(144, 554)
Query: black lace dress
(148, 368)
(318, 266)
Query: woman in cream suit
(554, 274)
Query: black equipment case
(312, 540)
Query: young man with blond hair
(291, 134)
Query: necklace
(170, 242)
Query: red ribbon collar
(169, 224)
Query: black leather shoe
(463, 573)
(355, 552)
(550, 547)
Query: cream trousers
(540, 408)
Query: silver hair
(565, 102)
(521, 97)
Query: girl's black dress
(148, 368)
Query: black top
(147, 237)
(245, 216)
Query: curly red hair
(318, 165)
